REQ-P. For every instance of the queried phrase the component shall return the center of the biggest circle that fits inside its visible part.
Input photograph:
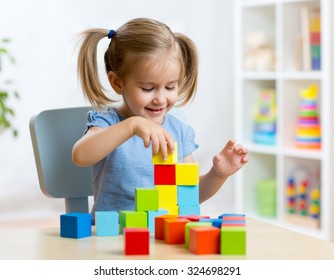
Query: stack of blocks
(170, 210)
(177, 183)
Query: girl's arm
(98, 142)
(227, 162)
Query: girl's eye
(170, 88)
(147, 89)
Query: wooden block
(75, 225)
(187, 174)
(164, 174)
(167, 196)
(174, 231)
(188, 195)
(106, 223)
(240, 223)
(191, 225)
(215, 222)
(233, 241)
(204, 240)
(132, 219)
(171, 157)
(172, 209)
(189, 210)
(159, 226)
(232, 216)
(151, 215)
(136, 241)
(146, 199)
(194, 218)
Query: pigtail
(88, 70)
(190, 68)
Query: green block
(193, 224)
(132, 219)
(233, 241)
(146, 199)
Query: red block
(174, 230)
(136, 241)
(233, 218)
(159, 226)
(204, 240)
(164, 174)
(194, 218)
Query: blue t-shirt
(130, 165)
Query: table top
(264, 242)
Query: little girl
(152, 69)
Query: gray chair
(53, 133)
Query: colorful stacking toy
(308, 131)
(265, 118)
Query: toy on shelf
(315, 39)
(308, 131)
(266, 197)
(302, 198)
(265, 118)
(259, 55)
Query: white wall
(44, 36)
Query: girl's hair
(137, 39)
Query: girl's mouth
(154, 110)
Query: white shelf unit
(279, 20)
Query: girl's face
(152, 88)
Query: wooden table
(264, 242)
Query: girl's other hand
(230, 159)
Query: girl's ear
(115, 82)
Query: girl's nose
(159, 97)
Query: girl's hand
(230, 159)
(152, 132)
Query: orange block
(174, 230)
(204, 240)
(159, 225)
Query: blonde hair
(137, 39)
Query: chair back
(53, 134)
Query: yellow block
(172, 209)
(171, 157)
(187, 174)
(167, 196)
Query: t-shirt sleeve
(189, 144)
(100, 119)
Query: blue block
(151, 218)
(106, 223)
(215, 222)
(187, 195)
(189, 210)
(231, 215)
(233, 222)
(75, 225)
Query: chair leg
(76, 204)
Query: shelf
(274, 96)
